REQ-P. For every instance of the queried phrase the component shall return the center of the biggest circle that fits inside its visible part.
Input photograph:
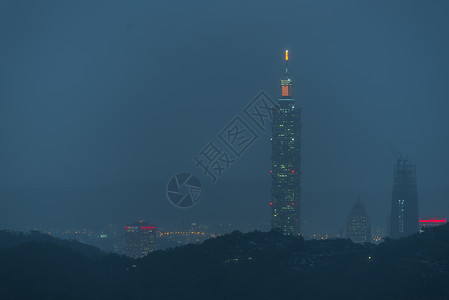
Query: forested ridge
(255, 265)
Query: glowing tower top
(286, 82)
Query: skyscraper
(286, 158)
(140, 239)
(358, 227)
(404, 203)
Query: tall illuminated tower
(286, 158)
(404, 203)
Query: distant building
(425, 223)
(285, 172)
(377, 235)
(140, 239)
(404, 202)
(358, 227)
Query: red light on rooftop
(433, 221)
(271, 203)
(271, 171)
(293, 203)
(293, 171)
(148, 227)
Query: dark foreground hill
(255, 265)
(10, 239)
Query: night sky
(101, 102)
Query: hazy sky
(96, 95)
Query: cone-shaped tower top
(358, 209)
(286, 82)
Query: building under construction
(404, 218)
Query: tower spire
(286, 82)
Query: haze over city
(224, 150)
(102, 102)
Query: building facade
(286, 158)
(358, 227)
(404, 218)
(426, 223)
(140, 239)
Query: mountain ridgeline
(255, 265)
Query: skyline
(91, 131)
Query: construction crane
(396, 153)
(339, 228)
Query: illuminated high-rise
(404, 203)
(286, 158)
(358, 227)
(426, 223)
(140, 239)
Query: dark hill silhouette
(255, 265)
(10, 238)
